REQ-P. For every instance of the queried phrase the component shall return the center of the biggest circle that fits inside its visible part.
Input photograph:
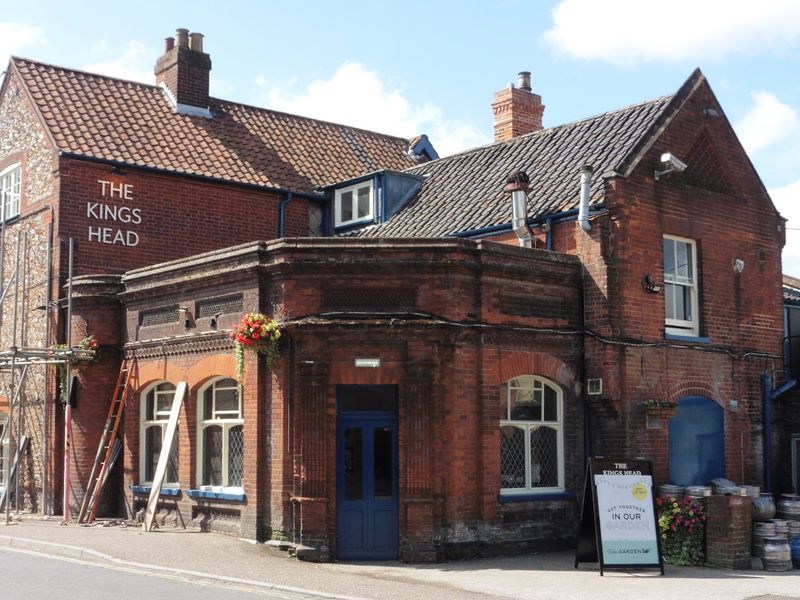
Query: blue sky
(432, 66)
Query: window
(155, 408)
(531, 438)
(4, 446)
(353, 204)
(9, 192)
(680, 286)
(221, 435)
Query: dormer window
(9, 192)
(353, 204)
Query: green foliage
(682, 524)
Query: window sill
(146, 489)
(687, 338)
(353, 225)
(508, 498)
(212, 495)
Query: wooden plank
(163, 456)
(12, 473)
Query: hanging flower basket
(660, 409)
(81, 354)
(259, 333)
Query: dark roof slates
(464, 192)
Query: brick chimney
(517, 110)
(184, 68)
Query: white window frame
(10, 191)
(535, 384)
(690, 328)
(5, 444)
(225, 419)
(337, 205)
(160, 419)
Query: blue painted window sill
(687, 339)
(508, 498)
(146, 489)
(209, 495)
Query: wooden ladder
(105, 451)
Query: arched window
(532, 438)
(155, 406)
(221, 435)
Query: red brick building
(437, 391)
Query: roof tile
(112, 119)
(464, 192)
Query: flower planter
(660, 413)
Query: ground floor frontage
(429, 402)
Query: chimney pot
(524, 81)
(185, 70)
(196, 42)
(169, 44)
(182, 37)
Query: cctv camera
(672, 162)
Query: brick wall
(721, 204)
(163, 218)
(450, 375)
(729, 531)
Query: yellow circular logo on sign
(639, 491)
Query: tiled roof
(111, 119)
(464, 192)
(791, 289)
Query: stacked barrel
(776, 531)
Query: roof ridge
(214, 98)
(83, 72)
(547, 130)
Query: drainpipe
(548, 227)
(282, 213)
(769, 394)
(586, 187)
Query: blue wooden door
(367, 485)
(696, 442)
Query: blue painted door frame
(696, 442)
(367, 486)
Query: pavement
(227, 561)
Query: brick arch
(217, 365)
(516, 363)
(691, 388)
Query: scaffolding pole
(68, 374)
(14, 374)
(20, 355)
(47, 508)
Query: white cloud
(358, 97)
(768, 122)
(135, 63)
(787, 201)
(15, 36)
(629, 32)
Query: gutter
(560, 217)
